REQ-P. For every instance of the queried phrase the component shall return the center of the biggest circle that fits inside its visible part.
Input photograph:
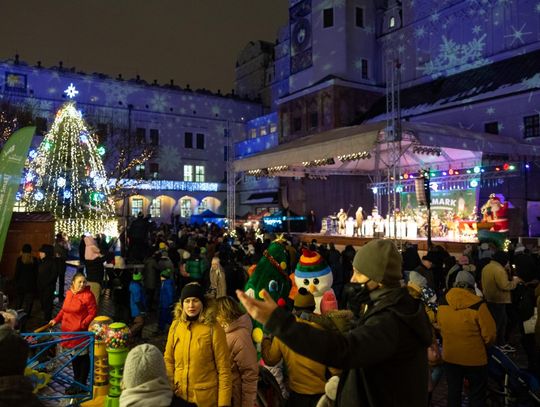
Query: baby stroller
(509, 385)
(268, 390)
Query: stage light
(318, 163)
(375, 190)
(364, 155)
(444, 173)
(497, 169)
(468, 171)
(451, 171)
(512, 168)
(456, 172)
(506, 166)
(527, 166)
(406, 176)
(476, 170)
(474, 183)
(433, 175)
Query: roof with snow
(520, 73)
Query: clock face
(301, 34)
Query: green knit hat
(137, 276)
(166, 273)
(311, 265)
(380, 261)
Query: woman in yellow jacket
(196, 355)
(467, 327)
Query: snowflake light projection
(169, 158)
(454, 57)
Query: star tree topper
(71, 91)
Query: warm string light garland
(67, 178)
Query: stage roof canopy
(423, 145)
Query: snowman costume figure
(314, 275)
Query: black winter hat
(14, 352)
(26, 248)
(192, 290)
(47, 249)
(500, 257)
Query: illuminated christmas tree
(66, 177)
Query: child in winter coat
(137, 305)
(166, 300)
(245, 369)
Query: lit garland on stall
(67, 178)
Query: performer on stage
(342, 218)
(311, 221)
(359, 220)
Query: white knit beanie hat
(143, 363)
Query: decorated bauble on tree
(271, 275)
(66, 176)
(314, 274)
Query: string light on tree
(67, 177)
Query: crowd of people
(398, 318)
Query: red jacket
(76, 314)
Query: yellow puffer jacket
(305, 375)
(466, 327)
(198, 362)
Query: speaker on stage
(423, 195)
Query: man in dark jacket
(384, 356)
(47, 274)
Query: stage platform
(452, 247)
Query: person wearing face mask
(384, 356)
(197, 356)
(78, 310)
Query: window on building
(200, 141)
(359, 20)
(365, 72)
(297, 124)
(101, 133)
(140, 135)
(260, 210)
(154, 137)
(140, 170)
(531, 126)
(19, 206)
(41, 125)
(202, 206)
(154, 170)
(188, 173)
(392, 22)
(273, 127)
(185, 207)
(328, 17)
(155, 208)
(136, 206)
(314, 120)
(253, 133)
(491, 127)
(225, 153)
(199, 173)
(262, 131)
(188, 140)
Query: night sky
(190, 41)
